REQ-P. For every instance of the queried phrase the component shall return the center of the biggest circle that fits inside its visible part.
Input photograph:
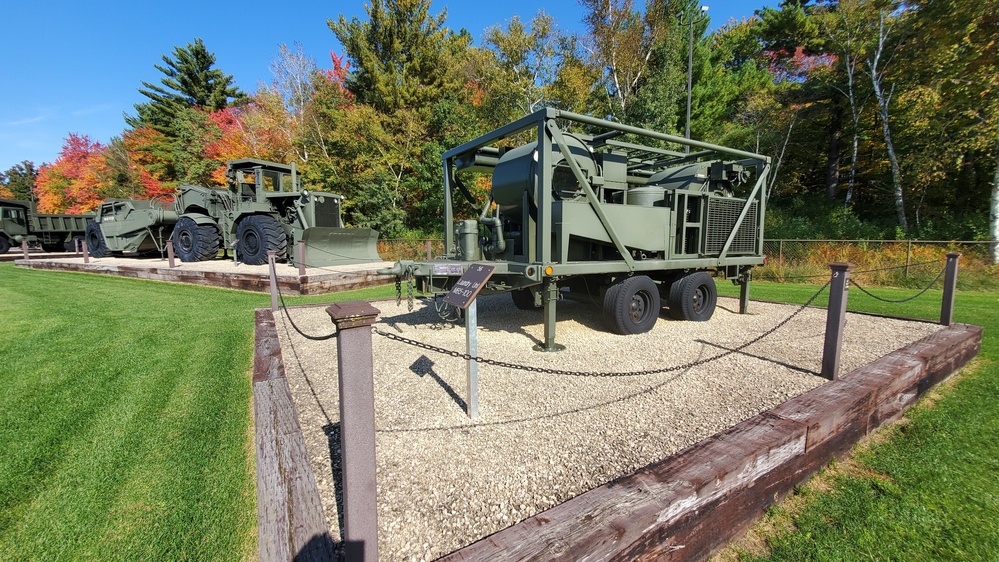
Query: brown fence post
(271, 256)
(24, 248)
(950, 287)
(835, 318)
(86, 253)
(171, 261)
(357, 428)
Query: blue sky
(75, 67)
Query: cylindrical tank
(468, 239)
(647, 196)
(517, 170)
(692, 176)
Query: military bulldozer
(263, 209)
(600, 212)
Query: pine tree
(190, 81)
(402, 56)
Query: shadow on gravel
(760, 357)
(332, 431)
(424, 366)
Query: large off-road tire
(96, 245)
(257, 234)
(195, 242)
(694, 297)
(4, 244)
(523, 299)
(633, 305)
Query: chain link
(545, 370)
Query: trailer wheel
(195, 242)
(4, 245)
(257, 234)
(694, 297)
(96, 245)
(635, 305)
(73, 243)
(523, 299)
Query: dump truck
(20, 220)
(263, 209)
(622, 217)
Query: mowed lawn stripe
(125, 409)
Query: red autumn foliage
(73, 183)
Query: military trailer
(601, 212)
(264, 208)
(19, 220)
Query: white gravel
(444, 481)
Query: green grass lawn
(929, 488)
(125, 418)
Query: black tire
(674, 299)
(71, 244)
(696, 297)
(195, 242)
(96, 245)
(4, 245)
(523, 299)
(635, 305)
(257, 234)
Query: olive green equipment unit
(131, 227)
(601, 212)
(263, 209)
(19, 221)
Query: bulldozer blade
(337, 246)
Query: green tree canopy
(190, 81)
(401, 56)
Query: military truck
(601, 212)
(264, 208)
(20, 220)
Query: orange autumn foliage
(73, 184)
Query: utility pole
(690, 69)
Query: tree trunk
(883, 102)
(994, 209)
(832, 153)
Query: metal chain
(409, 292)
(292, 322)
(894, 301)
(398, 291)
(545, 370)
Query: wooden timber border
(250, 281)
(683, 507)
(290, 520)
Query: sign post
(462, 295)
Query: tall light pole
(690, 70)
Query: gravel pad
(445, 481)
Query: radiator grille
(328, 213)
(722, 214)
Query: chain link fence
(801, 260)
(898, 263)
